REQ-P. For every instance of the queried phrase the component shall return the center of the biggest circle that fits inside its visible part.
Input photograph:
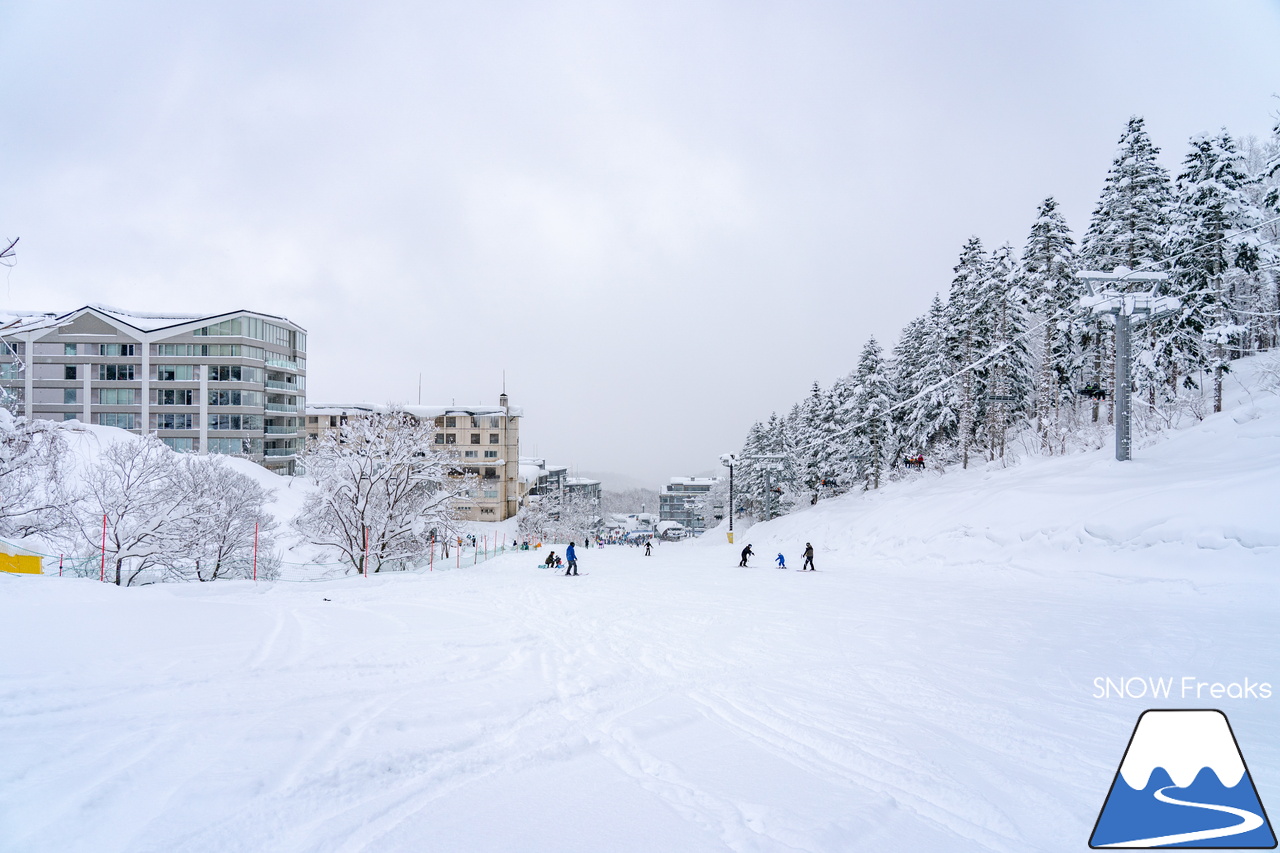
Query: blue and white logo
(1183, 783)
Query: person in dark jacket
(551, 560)
(746, 552)
(648, 548)
(808, 558)
(572, 557)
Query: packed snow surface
(930, 688)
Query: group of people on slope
(781, 560)
(570, 557)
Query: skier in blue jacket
(572, 557)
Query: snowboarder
(551, 559)
(746, 552)
(808, 558)
(648, 548)
(572, 557)
(781, 561)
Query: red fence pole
(431, 561)
(255, 552)
(102, 575)
(366, 550)
(59, 565)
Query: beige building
(227, 383)
(485, 440)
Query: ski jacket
(570, 554)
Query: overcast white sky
(662, 219)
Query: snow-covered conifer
(968, 334)
(1047, 274)
(1216, 272)
(872, 423)
(1131, 217)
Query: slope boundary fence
(19, 560)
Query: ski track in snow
(732, 709)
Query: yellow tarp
(26, 564)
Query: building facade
(485, 440)
(230, 383)
(682, 499)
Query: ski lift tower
(772, 462)
(1105, 297)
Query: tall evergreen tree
(1132, 215)
(1217, 264)
(1047, 274)
(968, 334)
(1008, 374)
(872, 422)
(932, 416)
(1129, 228)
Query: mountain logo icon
(1183, 783)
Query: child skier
(782, 562)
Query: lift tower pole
(1105, 297)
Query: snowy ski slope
(930, 688)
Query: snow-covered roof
(143, 321)
(531, 473)
(580, 481)
(24, 321)
(416, 411)
(694, 481)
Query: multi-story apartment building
(485, 439)
(226, 383)
(538, 478)
(584, 488)
(681, 501)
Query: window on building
(169, 420)
(181, 445)
(495, 422)
(115, 372)
(450, 423)
(69, 371)
(69, 349)
(69, 396)
(491, 473)
(115, 349)
(69, 416)
(175, 372)
(11, 348)
(486, 510)
(475, 438)
(491, 454)
(123, 420)
(439, 438)
(313, 420)
(491, 493)
(494, 438)
(118, 397)
(451, 438)
(175, 397)
(10, 370)
(469, 454)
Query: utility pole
(1103, 299)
